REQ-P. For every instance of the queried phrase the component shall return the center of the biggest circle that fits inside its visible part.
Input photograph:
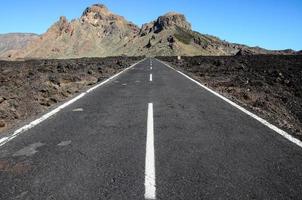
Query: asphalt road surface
(143, 136)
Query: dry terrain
(269, 85)
(28, 88)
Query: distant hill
(15, 41)
(99, 33)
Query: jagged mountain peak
(99, 12)
(172, 19)
(99, 15)
(63, 22)
(96, 9)
(58, 28)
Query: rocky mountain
(99, 33)
(15, 41)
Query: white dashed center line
(78, 110)
(150, 77)
(150, 187)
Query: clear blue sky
(272, 24)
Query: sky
(272, 24)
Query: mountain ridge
(15, 41)
(100, 33)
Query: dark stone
(2, 124)
(149, 44)
(171, 39)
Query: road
(150, 137)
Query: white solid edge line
(150, 187)
(263, 121)
(150, 77)
(26, 127)
(3, 139)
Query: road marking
(262, 121)
(78, 110)
(150, 187)
(151, 68)
(3, 139)
(124, 84)
(150, 77)
(32, 124)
